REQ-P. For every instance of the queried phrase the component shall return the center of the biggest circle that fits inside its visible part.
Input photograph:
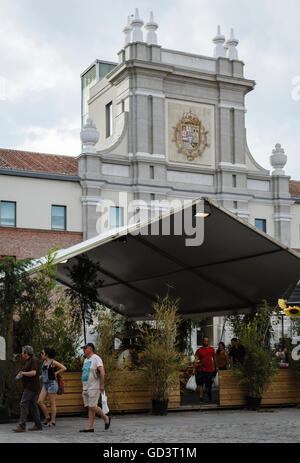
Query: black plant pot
(253, 403)
(160, 407)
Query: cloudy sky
(45, 46)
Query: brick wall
(28, 243)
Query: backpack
(61, 385)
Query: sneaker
(19, 429)
(36, 428)
(46, 421)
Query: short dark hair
(50, 352)
(234, 339)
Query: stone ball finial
(137, 24)
(232, 43)
(219, 41)
(278, 160)
(151, 28)
(89, 136)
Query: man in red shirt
(205, 367)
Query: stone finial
(89, 136)
(151, 28)
(219, 41)
(278, 160)
(127, 31)
(232, 43)
(137, 24)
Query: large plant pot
(160, 407)
(253, 403)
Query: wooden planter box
(284, 389)
(129, 395)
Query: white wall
(262, 211)
(295, 226)
(34, 198)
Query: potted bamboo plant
(259, 363)
(162, 362)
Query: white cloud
(262, 141)
(63, 139)
(31, 65)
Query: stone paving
(238, 426)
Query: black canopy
(235, 268)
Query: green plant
(84, 290)
(46, 317)
(259, 363)
(10, 390)
(107, 324)
(15, 283)
(162, 362)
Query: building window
(235, 204)
(234, 181)
(116, 217)
(152, 172)
(109, 121)
(8, 214)
(59, 218)
(261, 224)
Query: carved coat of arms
(190, 136)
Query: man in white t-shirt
(92, 386)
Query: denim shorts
(51, 387)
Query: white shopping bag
(216, 380)
(191, 384)
(104, 407)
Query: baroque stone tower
(171, 125)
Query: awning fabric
(235, 268)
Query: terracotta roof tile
(295, 188)
(38, 162)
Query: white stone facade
(153, 92)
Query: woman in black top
(50, 385)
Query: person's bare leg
(52, 398)
(99, 411)
(91, 418)
(201, 392)
(42, 404)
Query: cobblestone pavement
(268, 425)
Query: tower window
(116, 217)
(261, 224)
(109, 121)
